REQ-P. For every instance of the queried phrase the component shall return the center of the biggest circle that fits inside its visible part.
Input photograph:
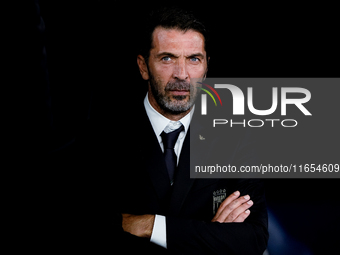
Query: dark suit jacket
(143, 187)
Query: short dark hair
(170, 18)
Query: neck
(166, 114)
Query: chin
(177, 106)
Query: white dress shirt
(159, 122)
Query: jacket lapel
(154, 160)
(183, 183)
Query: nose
(180, 70)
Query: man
(158, 200)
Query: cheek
(162, 74)
(196, 71)
(164, 71)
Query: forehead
(177, 41)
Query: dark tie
(169, 141)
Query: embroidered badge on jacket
(218, 197)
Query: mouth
(179, 92)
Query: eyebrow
(198, 54)
(166, 54)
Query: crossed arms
(233, 209)
(224, 234)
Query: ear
(143, 68)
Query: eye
(166, 58)
(194, 59)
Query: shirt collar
(159, 122)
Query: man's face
(176, 58)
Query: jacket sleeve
(188, 236)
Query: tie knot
(169, 139)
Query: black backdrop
(92, 81)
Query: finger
(242, 216)
(227, 201)
(238, 211)
(229, 209)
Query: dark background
(83, 84)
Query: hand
(233, 209)
(138, 225)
